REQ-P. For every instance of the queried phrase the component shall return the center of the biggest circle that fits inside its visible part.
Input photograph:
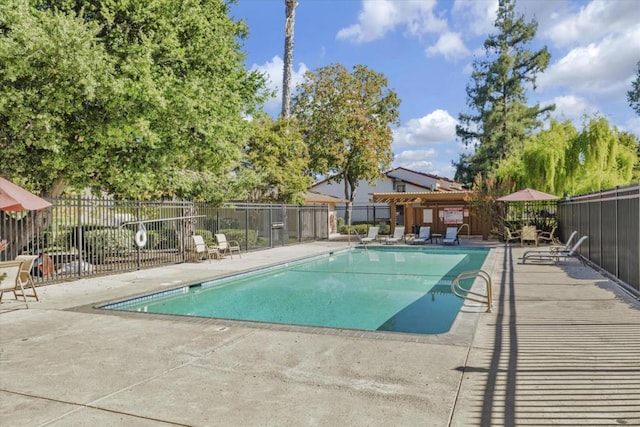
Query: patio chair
(549, 236)
(553, 255)
(10, 279)
(423, 235)
(529, 234)
(511, 236)
(202, 249)
(451, 236)
(25, 276)
(370, 237)
(227, 245)
(398, 235)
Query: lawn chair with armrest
(451, 236)
(10, 279)
(423, 235)
(398, 236)
(371, 236)
(228, 246)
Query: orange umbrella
(527, 195)
(15, 198)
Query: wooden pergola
(437, 209)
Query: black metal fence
(611, 219)
(369, 214)
(83, 237)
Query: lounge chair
(567, 246)
(553, 255)
(398, 235)
(370, 237)
(529, 234)
(25, 276)
(203, 250)
(423, 235)
(10, 279)
(227, 245)
(451, 236)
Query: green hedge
(240, 235)
(100, 244)
(361, 229)
(207, 236)
(162, 239)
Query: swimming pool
(399, 289)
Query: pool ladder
(463, 293)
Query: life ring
(141, 236)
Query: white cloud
(593, 21)
(450, 45)
(604, 68)
(428, 161)
(632, 125)
(417, 160)
(274, 70)
(379, 17)
(477, 16)
(436, 127)
(572, 108)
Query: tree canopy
(633, 96)
(279, 160)
(560, 160)
(500, 119)
(141, 99)
(346, 120)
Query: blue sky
(425, 48)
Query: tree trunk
(350, 195)
(290, 13)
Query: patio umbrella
(15, 198)
(527, 195)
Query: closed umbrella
(14, 198)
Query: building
(397, 180)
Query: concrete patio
(562, 346)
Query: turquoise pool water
(400, 289)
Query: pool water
(400, 289)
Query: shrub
(100, 244)
(207, 236)
(162, 239)
(361, 229)
(239, 235)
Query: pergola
(437, 209)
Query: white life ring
(141, 236)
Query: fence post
(79, 235)
(138, 248)
(270, 225)
(246, 227)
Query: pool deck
(562, 346)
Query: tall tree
(633, 96)
(142, 99)
(278, 156)
(561, 160)
(346, 119)
(290, 18)
(500, 119)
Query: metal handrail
(465, 225)
(457, 289)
